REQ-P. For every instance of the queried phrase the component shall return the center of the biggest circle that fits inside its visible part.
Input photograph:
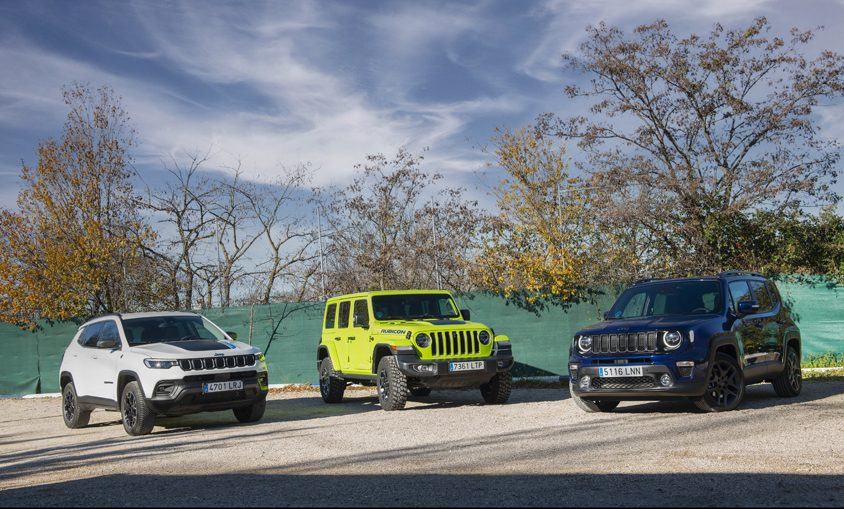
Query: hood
(193, 348)
(402, 327)
(642, 324)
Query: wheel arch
(123, 379)
(380, 351)
(65, 378)
(327, 350)
(727, 345)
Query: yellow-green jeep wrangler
(413, 340)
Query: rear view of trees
(698, 133)
(76, 245)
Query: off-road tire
(420, 392)
(251, 413)
(138, 419)
(591, 406)
(74, 417)
(331, 386)
(726, 387)
(391, 385)
(497, 390)
(790, 382)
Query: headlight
(483, 337)
(672, 340)
(584, 344)
(259, 357)
(423, 340)
(160, 364)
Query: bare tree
(706, 131)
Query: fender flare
(121, 383)
(725, 341)
(328, 350)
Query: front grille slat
(455, 343)
(235, 361)
(625, 343)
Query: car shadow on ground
(436, 490)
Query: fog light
(424, 368)
(501, 364)
(584, 382)
(665, 380)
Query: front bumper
(439, 373)
(646, 387)
(187, 395)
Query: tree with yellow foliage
(537, 241)
(75, 246)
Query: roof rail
(730, 273)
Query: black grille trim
(632, 342)
(217, 362)
(624, 382)
(211, 378)
(455, 343)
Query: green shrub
(830, 359)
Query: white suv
(148, 364)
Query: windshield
(669, 298)
(429, 305)
(161, 329)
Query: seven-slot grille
(234, 361)
(454, 343)
(625, 342)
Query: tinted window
(773, 291)
(668, 298)
(343, 318)
(161, 329)
(433, 305)
(739, 292)
(90, 335)
(361, 307)
(110, 332)
(762, 296)
(330, 316)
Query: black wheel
(331, 386)
(592, 406)
(251, 413)
(392, 384)
(74, 417)
(497, 391)
(726, 386)
(420, 392)
(137, 418)
(790, 381)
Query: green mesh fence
(288, 333)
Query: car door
(84, 359)
(343, 336)
(103, 367)
(360, 348)
(748, 330)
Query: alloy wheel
(130, 409)
(384, 385)
(795, 375)
(724, 384)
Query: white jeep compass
(148, 364)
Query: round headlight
(483, 337)
(672, 340)
(423, 340)
(584, 344)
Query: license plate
(466, 366)
(621, 371)
(234, 385)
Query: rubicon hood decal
(392, 331)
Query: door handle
(351, 338)
(759, 324)
(781, 321)
(338, 338)
(93, 356)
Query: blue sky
(328, 82)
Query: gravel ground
(444, 450)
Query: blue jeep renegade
(702, 338)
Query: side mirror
(232, 335)
(748, 307)
(360, 320)
(106, 343)
(466, 314)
